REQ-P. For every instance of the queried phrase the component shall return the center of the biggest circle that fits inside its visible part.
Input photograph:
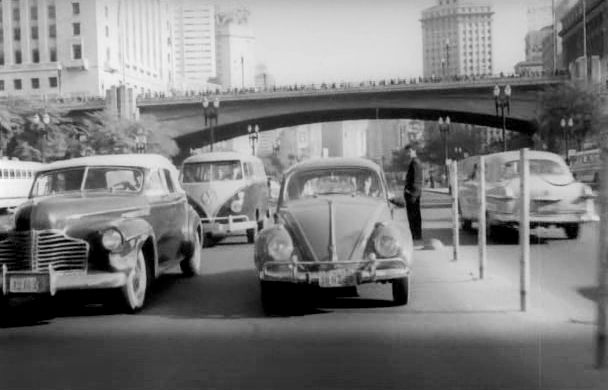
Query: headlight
(112, 239)
(236, 206)
(386, 243)
(280, 245)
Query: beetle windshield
(351, 181)
(537, 167)
(202, 172)
(110, 179)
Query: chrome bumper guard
(550, 219)
(30, 282)
(227, 225)
(335, 273)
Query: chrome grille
(35, 250)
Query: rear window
(537, 167)
(202, 172)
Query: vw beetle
(335, 227)
(100, 222)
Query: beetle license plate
(28, 284)
(337, 278)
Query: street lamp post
(211, 113)
(502, 100)
(566, 126)
(447, 56)
(276, 147)
(457, 153)
(444, 128)
(42, 122)
(254, 134)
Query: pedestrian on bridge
(412, 192)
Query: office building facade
(235, 50)
(457, 39)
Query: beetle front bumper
(29, 282)
(335, 273)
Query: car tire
(401, 291)
(572, 231)
(251, 235)
(135, 290)
(467, 225)
(271, 294)
(192, 265)
(209, 241)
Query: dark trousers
(413, 215)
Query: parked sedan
(335, 227)
(101, 222)
(556, 198)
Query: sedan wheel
(134, 292)
(272, 296)
(251, 235)
(192, 265)
(572, 231)
(401, 290)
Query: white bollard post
(481, 230)
(456, 225)
(601, 333)
(524, 228)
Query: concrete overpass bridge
(464, 101)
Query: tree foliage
(565, 101)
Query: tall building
(534, 43)
(539, 14)
(457, 39)
(194, 44)
(595, 65)
(235, 50)
(552, 44)
(345, 139)
(83, 48)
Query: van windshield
(207, 171)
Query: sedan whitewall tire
(134, 292)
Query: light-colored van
(229, 191)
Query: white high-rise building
(83, 48)
(194, 44)
(235, 50)
(457, 39)
(539, 14)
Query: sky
(304, 41)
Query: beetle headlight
(280, 245)
(112, 239)
(386, 243)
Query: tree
(565, 101)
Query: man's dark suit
(411, 193)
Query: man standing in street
(412, 192)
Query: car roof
(219, 156)
(334, 162)
(126, 160)
(515, 155)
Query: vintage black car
(100, 222)
(336, 227)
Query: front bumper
(335, 273)
(545, 219)
(222, 226)
(29, 282)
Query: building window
(34, 13)
(35, 56)
(17, 34)
(53, 31)
(106, 11)
(17, 56)
(53, 82)
(76, 28)
(1, 58)
(34, 32)
(75, 8)
(51, 11)
(35, 83)
(53, 54)
(107, 31)
(16, 15)
(77, 51)
(1, 85)
(17, 84)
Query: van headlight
(386, 243)
(112, 239)
(280, 245)
(237, 204)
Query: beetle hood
(310, 222)
(56, 212)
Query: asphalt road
(210, 332)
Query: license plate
(337, 278)
(29, 284)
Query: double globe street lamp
(502, 101)
(211, 114)
(254, 135)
